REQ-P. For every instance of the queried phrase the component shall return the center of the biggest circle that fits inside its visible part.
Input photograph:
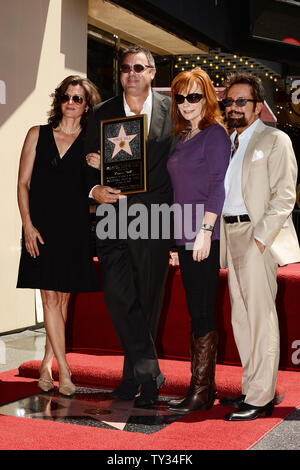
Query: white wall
(41, 42)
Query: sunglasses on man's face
(191, 98)
(240, 102)
(137, 68)
(75, 98)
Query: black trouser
(200, 281)
(133, 275)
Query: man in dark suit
(134, 270)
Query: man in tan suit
(257, 235)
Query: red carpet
(200, 430)
(105, 371)
(89, 326)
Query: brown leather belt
(232, 219)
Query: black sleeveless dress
(59, 211)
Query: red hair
(184, 81)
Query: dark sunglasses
(240, 102)
(75, 98)
(138, 68)
(191, 98)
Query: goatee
(237, 122)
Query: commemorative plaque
(123, 153)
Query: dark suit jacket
(161, 143)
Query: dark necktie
(235, 145)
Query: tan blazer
(269, 178)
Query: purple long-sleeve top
(197, 169)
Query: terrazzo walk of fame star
(93, 407)
(121, 142)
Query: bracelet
(207, 227)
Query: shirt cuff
(91, 191)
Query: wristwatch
(207, 227)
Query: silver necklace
(191, 131)
(69, 132)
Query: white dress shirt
(147, 109)
(234, 202)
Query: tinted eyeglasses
(75, 98)
(137, 68)
(191, 98)
(240, 102)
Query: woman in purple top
(197, 169)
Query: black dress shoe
(149, 393)
(127, 390)
(249, 412)
(233, 402)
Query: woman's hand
(202, 245)
(93, 159)
(31, 237)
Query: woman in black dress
(56, 250)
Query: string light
(226, 63)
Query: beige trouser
(252, 279)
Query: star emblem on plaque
(123, 153)
(122, 142)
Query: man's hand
(106, 194)
(93, 159)
(260, 245)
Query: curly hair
(184, 81)
(92, 97)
